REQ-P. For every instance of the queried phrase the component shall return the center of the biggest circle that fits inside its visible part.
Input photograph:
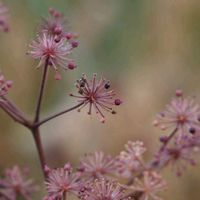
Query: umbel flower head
(15, 184)
(102, 189)
(4, 86)
(97, 165)
(148, 188)
(131, 159)
(182, 113)
(3, 18)
(179, 154)
(61, 182)
(46, 49)
(97, 95)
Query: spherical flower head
(179, 155)
(46, 49)
(97, 165)
(149, 186)
(182, 113)
(4, 86)
(15, 184)
(96, 95)
(131, 159)
(61, 182)
(102, 189)
(56, 26)
(4, 18)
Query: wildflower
(182, 113)
(103, 189)
(179, 155)
(61, 182)
(4, 18)
(56, 54)
(4, 85)
(15, 184)
(149, 186)
(97, 165)
(96, 94)
(130, 161)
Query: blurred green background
(147, 49)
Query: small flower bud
(71, 65)
(68, 36)
(74, 44)
(179, 93)
(107, 85)
(163, 139)
(118, 102)
(57, 76)
(192, 130)
(57, 30)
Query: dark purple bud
(57, 30)
(74, 44)
(107, 85)
(179, 93)
(192, 130)
(118, 102)
(71, 65)
(68, 36)
(163, 139)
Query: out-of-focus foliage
(147, 48)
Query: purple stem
(58, 114)
(42, 86)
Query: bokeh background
(147, 49)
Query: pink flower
(4, 18)
(97, 165)
(179, 155)
(56, 25)
(131, 160)
(148, 188)
(56, 53)
(103, 189)
(182, 113)
(15, 184)
(4, 86)
(61, 182)
(96, 95)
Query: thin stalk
(57, 114)
(14, 114)
(42, 86)
(37, 139)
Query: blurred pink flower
(45, 48)
(4, 18)
(148, 188)
(131, 159)
(15, 184)
(61, 182)
(4, 85)
(97, 165)
(103, 189)
(182, 113)
(96, 94)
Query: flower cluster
(61, 182)
(15, 184)
(53, 44)
(97, 165)
(131, 161)
(149, 186)
(96, 94)
(4, 18)
(4, 86)
(102, 189)
(182, 113)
